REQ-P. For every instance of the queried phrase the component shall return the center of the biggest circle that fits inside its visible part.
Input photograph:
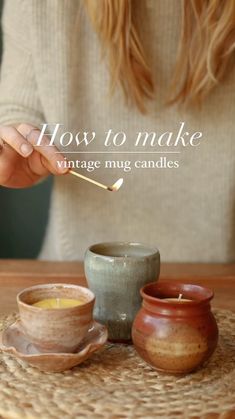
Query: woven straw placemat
(116, 383)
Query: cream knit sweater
(51, 71)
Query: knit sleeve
(19, 100)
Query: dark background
(23, 216)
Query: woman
(154, 51)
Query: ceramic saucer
(14, 342)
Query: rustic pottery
(115, 272)
(14, 342)
(172, 336)
(56, 330)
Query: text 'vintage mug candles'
(116, 272)
(173, 334)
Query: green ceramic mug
(115, 273)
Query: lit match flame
(117, 185)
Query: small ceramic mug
(115, 272)
(58, 329)
(175, 335)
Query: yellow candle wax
(57, 303)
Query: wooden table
(18, 274)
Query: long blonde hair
(205, 50)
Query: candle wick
(180, 296)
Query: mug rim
(153, 251)
(46, 286)
(162, 286)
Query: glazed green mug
(116, 272)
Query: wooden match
(114, 188)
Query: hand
(22, 163)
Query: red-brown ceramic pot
(172, 336)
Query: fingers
(8, 158)
(23, 140)
(50, 155)
(38, 165)
(16, 140)
(1, 145)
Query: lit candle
(178, 300)
(57, 303)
